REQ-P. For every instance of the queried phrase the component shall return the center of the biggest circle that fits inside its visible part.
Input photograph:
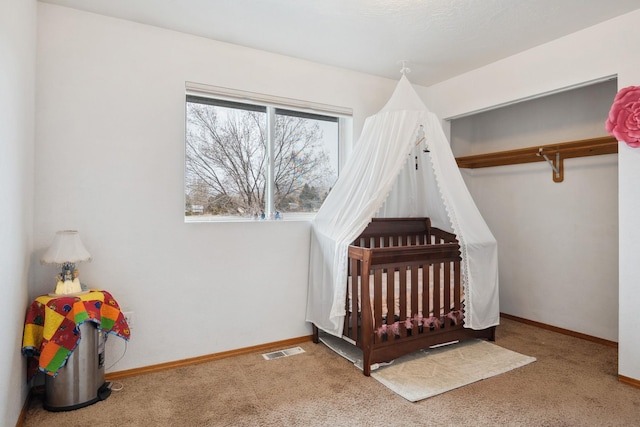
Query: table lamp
(66, 250)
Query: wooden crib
(397, 268)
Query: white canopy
(381, 179)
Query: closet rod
(558, 152)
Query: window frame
(272, 106)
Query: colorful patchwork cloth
(52, 327)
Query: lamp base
(73, 294)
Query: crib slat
(458, 285)
(415, 292)
(447, 287)
(377, 298)
(436, 291)
(390, 298)
(415, 289)
(426, 289)
(403, 294)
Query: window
(257, 161)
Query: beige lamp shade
(66, 248)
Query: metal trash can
(80, 382)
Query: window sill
(290, 217)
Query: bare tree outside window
(227, 157)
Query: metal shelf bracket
(557, 165)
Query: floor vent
(283, 353)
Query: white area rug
(430, 372)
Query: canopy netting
(389, 174)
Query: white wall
(602, 50)
(17, 98)
(109, 162)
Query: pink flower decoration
(624, 117)
(453, 315)
(418, 319)
(432, 322)
(382, 330)
(395, 328)
(408, 324)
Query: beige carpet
(573, 383)
(431, 372)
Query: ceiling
(439, 39)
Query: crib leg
(366, 364)
(492, 337)
(315, 336)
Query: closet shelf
(554, 154)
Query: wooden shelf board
(567, 150)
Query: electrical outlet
(128, 316)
